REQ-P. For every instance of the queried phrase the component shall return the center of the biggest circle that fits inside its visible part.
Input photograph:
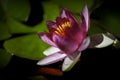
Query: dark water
(94, 63)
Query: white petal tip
(68, 63)
(63, 69)
(106, 42)
(52, 59)
(41, 63)
(50, 51)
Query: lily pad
(95, 27)
(4, 33)
(19, 9)
(18, 27)
(5, 57)
(51, 10)
(1, 13)
(29, 46)
(74, 5)
(112, 23)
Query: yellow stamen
(57, 32)
(65, 23)
(61, 28)
(68, 24)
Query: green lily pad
(94, 27)
(4, 33)
(41, 27)
(74, 5)
(5, 57)
(19, 9)
(18, 27)
(112, 23)
(51, 10)
(29, 46)
(1, 13)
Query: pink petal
(69, 63)
(51, 25)
(77, 32)
(85, 19)
(85, 44)
(52, 59)
(46, 38)
(65, 13)
(66, 44)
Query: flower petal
(51, 25)
(69, 63)
(51, 50)
(65, 13)
(101, 40)
(74, 36)
(46, 38)
(85, 19)
(65, 44)
(106, 42)
(52, 58)
(85, 44)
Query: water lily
(68, 38)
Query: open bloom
(67, 38)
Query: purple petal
(85, 44)
(69, 63)
(85, 19)
(46, 38)
(52, 59)
(51, 25)
(77, 32)
(65, 13)
(51, 50)
(65, 44)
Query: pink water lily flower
(67, 38)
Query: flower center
(61, 28)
